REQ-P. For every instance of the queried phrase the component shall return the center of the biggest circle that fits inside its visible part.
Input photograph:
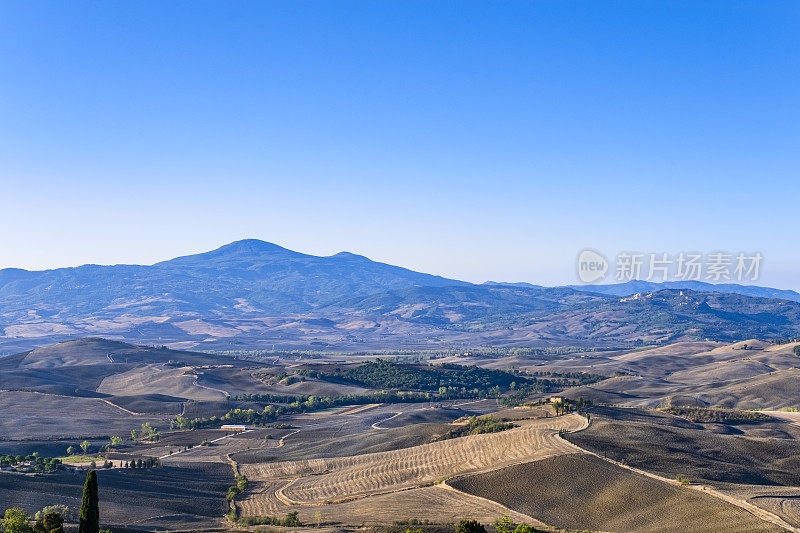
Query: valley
(347, 441)
(399, 267)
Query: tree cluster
(36, 463)
(478, 425)
(290, 520)
(238, 488)
(299, 404)
(147, 432)
(147, 462)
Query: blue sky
(477, 140)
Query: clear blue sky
(478, 140)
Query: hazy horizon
(471, 143)
(609, 281)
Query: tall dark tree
(90, 506)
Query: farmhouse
(234, 427)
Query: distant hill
(253, 294)
(634, 287)
(78, 367)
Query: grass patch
(81, 459)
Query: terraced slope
(315, 482)
(436, 503)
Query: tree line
(299, 404)
(37, 463)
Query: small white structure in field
(234, 427)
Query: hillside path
(747, 506)
(211, 441)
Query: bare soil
(579, 491)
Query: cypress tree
(90, 506)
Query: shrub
(470, 526)
(238, 488)
(16, 520)
(50, 522)
(66, 513)
(291, 520)
(504, 524)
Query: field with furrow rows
(319, 481)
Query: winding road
(376, 426)
(211, 441)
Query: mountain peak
(248, 246)
(348, 255)
(244, 249)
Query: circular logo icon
(592, 266)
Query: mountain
(671, 315)
(253, 294)
(241, 277)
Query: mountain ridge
(251, 292)
(246, 247)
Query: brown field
(705, 374)
(309, 483)
(166, 498)
(581, 491)
(160, 379)
(783, 501)
(31, 414)
(376, 464)
(671, 446)
(436, 503)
